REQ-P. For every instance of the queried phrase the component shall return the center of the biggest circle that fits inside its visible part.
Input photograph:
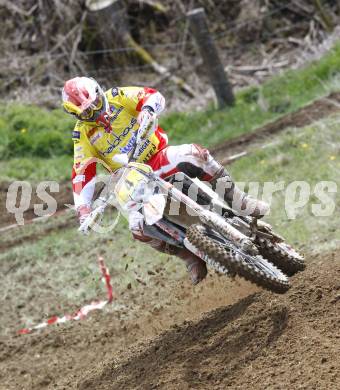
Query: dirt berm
(264, 341)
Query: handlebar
(91, 220)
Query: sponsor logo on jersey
(76, 134)
(129, 146)
(143, 147)
(96, 137)
(119, 139)
(114, 92)
(91, 132)
(150, 154)
(79, 165)
(158, 107)
(116, 114)
(141, 94)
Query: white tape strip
(82, 312)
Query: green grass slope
(36, 143)
(308, 157)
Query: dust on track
(262, 341)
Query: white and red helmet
(84, 98)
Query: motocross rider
(108, 124)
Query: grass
(310, 155)
(34, 131)
(36, 169)
(57, 272)
(257, 105)
(41, 136)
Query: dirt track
(262, 341)
(64, 196)
(45, 358)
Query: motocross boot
(195, 266)
(238, 200)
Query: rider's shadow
(231, 349)
(222, 343)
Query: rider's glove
(145, 119)
(145, 115)
(83, 212)
(136, 220)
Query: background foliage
(30, 131)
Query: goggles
(90, 113)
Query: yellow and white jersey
(94, 140)
(100, 141)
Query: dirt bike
(207, 226)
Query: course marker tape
(85, 310)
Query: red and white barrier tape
(82, 312)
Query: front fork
(208, 218)
(213, 220)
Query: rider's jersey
(100, 142)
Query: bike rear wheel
(282, 255)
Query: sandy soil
(45, 358)
(262, 341)
(230, 335)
